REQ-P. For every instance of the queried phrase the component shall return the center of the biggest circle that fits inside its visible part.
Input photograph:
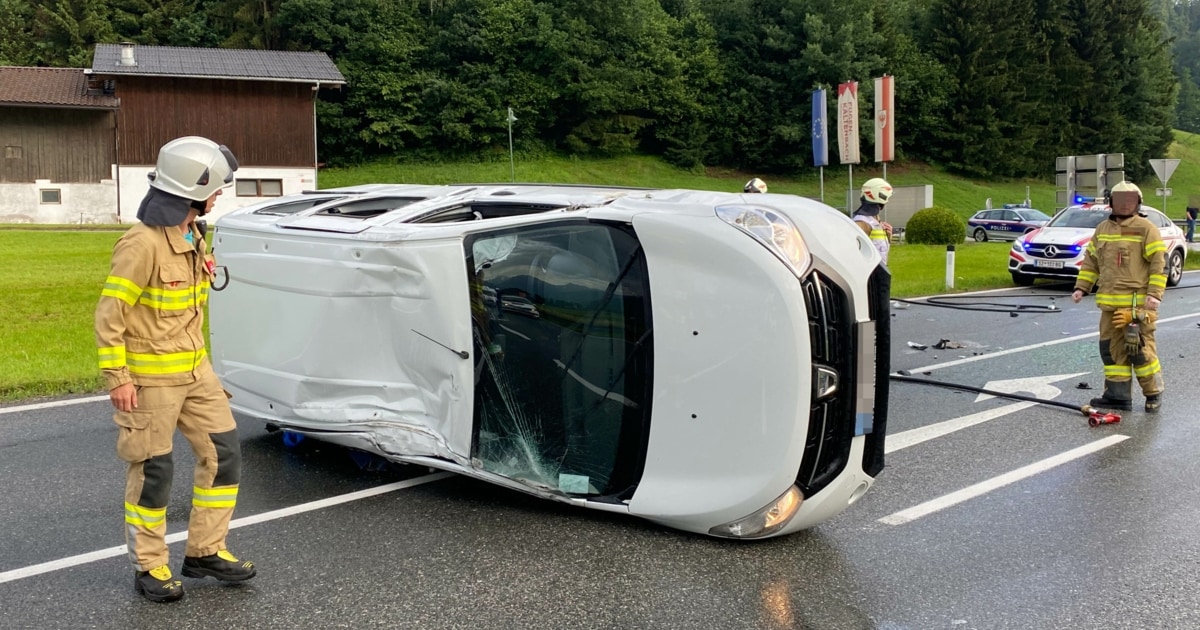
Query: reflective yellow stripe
(214, 497)
(1116, 238)
(1091, 247)
(879, 235)
(1158, 280)
(144, 516)
(169, 299)
(202, 297)
(1089, 276)
(1113, 299)
(1150, 368)
(173, 363)
(1155, 247)
(122, 289)
(1118, 370)
(111, 358)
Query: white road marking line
(1045, 344)
(51, 405)
(983, 487)
(913, 437)
(111, 552)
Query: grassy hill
(960, 194)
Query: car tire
(980, 235)
(1174, 268)
(1022, 279)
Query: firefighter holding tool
(1125, 259)
(151, 348)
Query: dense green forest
(988, 88)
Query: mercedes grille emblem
(1051, 251)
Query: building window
(12, 152)
(51, 195)
(259, 187)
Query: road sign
(1162, 192)
(1164, 168)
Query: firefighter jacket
(151, 310)
(1126, 258)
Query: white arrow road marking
(1038, 386)
(111, 552)
(913, 437)
(984, 487)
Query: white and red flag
(885, 120)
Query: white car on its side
(1056, 250)
(712, 362)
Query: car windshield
(1033, 215)
(1079, 218)
(561, 318)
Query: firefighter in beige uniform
(151, 347)
(1125, 258)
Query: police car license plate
(1048, 264)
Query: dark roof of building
(218, 63)
(51, 87)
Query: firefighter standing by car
(1125, 258)
(875, 194)
(151, 350)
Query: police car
(1056, 250)
(712, 362)
(1005, 224)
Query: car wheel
(1174, 268)
(1022, 279)
(980, 235)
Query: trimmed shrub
(935, 226)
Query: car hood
(1060, 236)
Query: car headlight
(765, 521)
(772, 229)
(1018, 246)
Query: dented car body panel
(708, 361)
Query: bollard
(949, 266)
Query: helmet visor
(1124, 203)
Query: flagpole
(822, 184)
(849, 201)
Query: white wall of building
(79, 203)
(89, 203)
(134, 185)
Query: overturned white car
(713, 362)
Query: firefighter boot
(1104, 402)
(1153, 402)
(158, 585)
(221, 565)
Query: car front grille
(831, 420)
(1063, 252)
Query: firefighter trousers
(1120, 367)
(200, 410)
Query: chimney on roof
(127, 58)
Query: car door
(1008, 225)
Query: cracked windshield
(561, 319)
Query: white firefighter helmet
(755, 185)
(877, 190)
(1126, 187)
(193, 168)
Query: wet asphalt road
(1108, 539)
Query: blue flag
(820, 129)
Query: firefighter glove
(1122, 317)
(1133, 339)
